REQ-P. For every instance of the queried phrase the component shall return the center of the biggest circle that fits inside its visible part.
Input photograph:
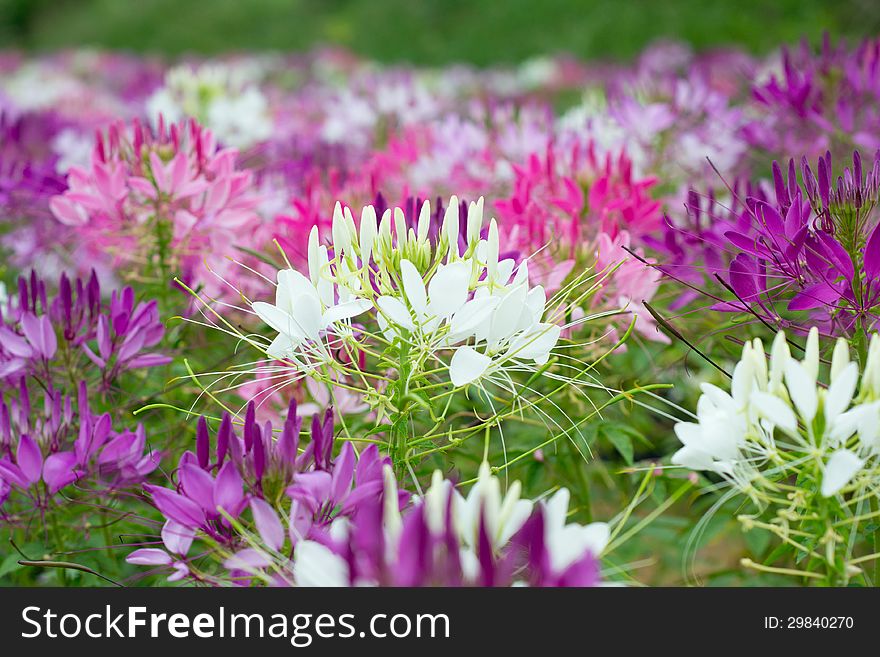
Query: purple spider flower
(114, 336)
(62, 443)
(816, 249)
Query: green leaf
(9, 564)
(621, 438)
(757, 541)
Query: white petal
(780, 354)
(339, 232)
(596, 536)
(424, 222)
(467, 366)
(689, 433)
(396, 312)
(474, 221)
(841, 391)
(472, 314)
(278, 319)
(693, 458)
(839, 471)
(414, 288)
(292, 285)
(505, 317)
(451, 226)
(535, 344)
(369, 230)
(307, 316)
(840, 358)
(802, 390)
(448, 289)
(811, 355)
(313, 255)
(505, 269)
(772, 408)
(492, 253)
(316, 565)
(346, 310)
(281, 346)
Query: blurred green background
(427, 31)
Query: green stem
(399, 428)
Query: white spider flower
(434, 296)
(308, 309)
(504, 515)
(779, 420)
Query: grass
(427, 32)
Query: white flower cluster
(221, 97)
(778, 420)
(450, 295)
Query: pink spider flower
(159, 202)
(577, 207)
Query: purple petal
(40, 333)
(815, 296)
(149, 557)
(105, 347)
(30, 459)
(248, 559)
(14, 344)
(872, 254)
(228, 493)
(148, 360)
(343, 470)
(202, 442)
(198, 485)
(268, 524)
(12, 473)
(177, 538)
(176, 507)
(59, 471)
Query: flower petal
(839, 471)
(467, 366)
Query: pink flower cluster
(172, 196)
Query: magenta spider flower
(815, 250)
(819, 101)
(248, 471)
(579, 208)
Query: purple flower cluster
(255, 470)
(815, 102)
(347, 523)
(45, 348)
(76, 335)
(816, 249)
(45, 452)
(426, 550)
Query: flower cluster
(811, 102)
(157, 201)
(815, 249)
(220, 98)
(65, 445)
(446, 539)
(806, 455)
(275, 512)
(71, 351)
(575, 211)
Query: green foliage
(430, 32)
